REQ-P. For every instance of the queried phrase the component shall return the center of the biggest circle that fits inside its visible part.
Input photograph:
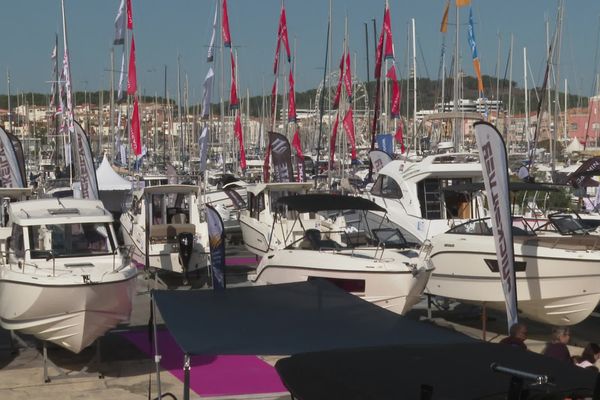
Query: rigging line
(537, 96)
(423, 58)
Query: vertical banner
(237, 130)
(299, 157)
(473, 45)
(211, 46)
(291, 99)
(134, 130)
(338, 91)
(234, 103)
(385, 143)
(225, 26)
(132, 76)
(492, 154)
(395, 109)
(281, 154)
(207, 93)
(389, 41)
(12, 174)
(216, 237)
(120, 25)
(349, 128)
(85, 165)
(203, 146)
(348, 78)
(379, 159)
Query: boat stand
(83, 372)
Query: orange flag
(462, 3)
(444, 26)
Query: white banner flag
(492, 154)
(203, 145)
(85, 165)
(120, 25)
(120, 92)
(207, 95)
(211, 46)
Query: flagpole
(112, 101)
(223, 131)
(56, 100)
(70, 116)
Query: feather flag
(207, 94)
(282, 33)
(297, 144)
(473, 45)
(237, 129)
(129, 16)
(349, 128)
(120, 25)
(391, 74)
(234, 102)
(462, 3)
(444, 24)
(203, 148)
(399, 136)
(132, 77)
(338, 91)
(348, 78)
(211, 46)
(301, 174)
(84, 165)
(225, 26)
(379, 55)
(389, 41)
(69, 94)
(291, 100)
(333, 138)
(134, 130)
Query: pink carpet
(213, 375)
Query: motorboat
(63, 278)
(169, 221)
(556, 267)
(367, 258)
(256, 221)
(415, 194)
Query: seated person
(311, 240)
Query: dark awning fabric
(325, 202)
(459, 371)
(286, 319)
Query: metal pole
(321, 108)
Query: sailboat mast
(510, 70)
(414, 60)
(222, 105)
(70, 116)
(457, 128)
(111, 118)
(526, 133)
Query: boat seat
(170, 231)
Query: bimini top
(168, 189)
(289, 186)
(58, 211)
(325, 202)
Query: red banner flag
(234, 103)
(333, 139)
(129, 16)
(299, 157)
(349, 128)
(379, 55)
(225, 26)
(297, 145)
(292, 100)
(134, 131)
(273, 99)
(391, 74)
(282, 33)
(338, 91)
(132, 76)
(348, 77)
(399, 136)
(237, 129)
(276, 61)
(389, 41)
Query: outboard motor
(186, 244)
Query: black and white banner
(85, 165)
(379, 159)
(494, 162)
(12, 163)
(216, 235)
(281, 158)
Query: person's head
(591, 353)
(561, 334)
(519, 331)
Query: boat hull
(70, 315)
(389, 285)
(555, 285)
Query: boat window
(390, 237)
(70, 240)
(386, 186)
(256, 203)
(17, 245)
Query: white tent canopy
(108, 179)
(574, 146)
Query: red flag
(266, 164)
(276, 62)
(389, 41)
(132, 76)
(273, 98)
(292, 100)
(129, 16)
(282, 33)
(297, 145)
(338, 92)
(225, 26)
(333, 138)
(391, 74)
(234, 103)
(134, 131)
(348, 77)
(379, 55)
(237, 129)
(400, 137)
(349, 128)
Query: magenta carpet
(213, 376)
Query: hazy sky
(165, 28)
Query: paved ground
(129, 373)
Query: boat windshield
(70, 240)
(484, 227)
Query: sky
(166, 29)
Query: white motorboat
(413, 193)
(63, 278)
(169, 220)
(373, 262)
(557, 274)
(256, 222)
